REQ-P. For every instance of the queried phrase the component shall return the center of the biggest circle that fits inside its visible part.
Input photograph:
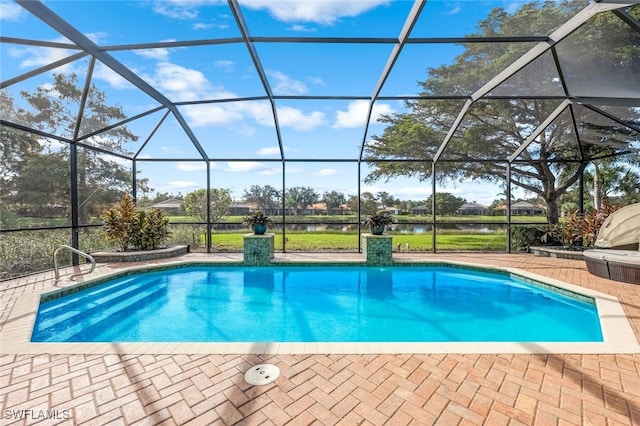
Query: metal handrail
(76, 251)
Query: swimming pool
(317, 304)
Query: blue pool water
(316, 304)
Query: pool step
(75, 304)
(66, 324)
(113, 316)
(100, 294)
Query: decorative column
(258, 249)
(378, 249)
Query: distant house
(421, 210)
(240, 209)
(171, 203)
(524, 208)
(473, 209)
(170, 206)
(343, 209)
(314, 209)
(391, 210)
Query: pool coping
(617, 333)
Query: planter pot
(259, 228)
(377, 230)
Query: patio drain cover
(261, 374)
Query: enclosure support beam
(208, 198)
(284, 206)
(75, 211)
(433, 207)
(508, 177)
(581, 194)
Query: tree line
(299, 200)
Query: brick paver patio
(402, 389)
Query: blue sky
(311, 129)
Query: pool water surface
(317, 304)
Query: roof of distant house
(171, 203)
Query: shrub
(151, 229)
(120, 222)
(25, 252)
(129, 227)
(592, 222)
(576, 228)
(524, 236)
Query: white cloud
(302, 28)
(316, 81)
(321, 12)
(33, 57)
(159, 54)
(183, 83)
(285, 85)
(36, 56)
(188, 10)
(453, 11)
(259, 111)
(380, 109)
(245, 166)
(224, 114)
(295, 118)
(224, 64)
(326, 172)
(356, 114)
(209, 25)
(97, 38)
(270, 150)
(11, 12)
(211, 115)
(177, 9)
(202, 26)
(191, 166)
(102, 72)
(246, 131)
(180, 83)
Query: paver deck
(391, 389)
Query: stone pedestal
(258, 249)
(378, 249)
